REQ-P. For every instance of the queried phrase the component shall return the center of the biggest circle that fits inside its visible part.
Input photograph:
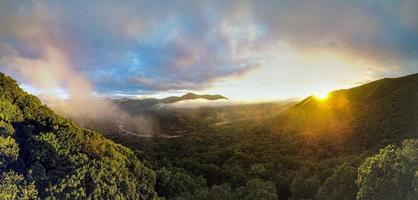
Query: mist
(53, 72)
(43, 59)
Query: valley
(298, 148)
(209, 100)
(285, 150)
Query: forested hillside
(43, 155)
(367, 117)
(358, 143)
(318, 149)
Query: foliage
(15, 186)
(310, 151)
(340, 186)
(9, 112)
(391, 174)
(174, 184)
(43, 155)
(6, 129)
(302, 150)
(257, 189)
(9, 151)
(305, 188)
(221, 192)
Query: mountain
(367, 117)
(315, 149)
(192, 96)
(346, 146)
(43, 155)
(340, 147)
(136, 105)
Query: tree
(221, 192)
(43, 155)
(9, 151)
(9, 112)
(340, 186)
(257, 170)
(258, 189)
(390, 174)
(14, 186)
(175, 183)
(304, 188)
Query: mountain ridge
(50, 157)
(192, 96)
(173, 99)
(382, 110)
(138, 105)
(317, 149)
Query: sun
(322, 95)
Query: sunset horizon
(238, 49)
(209, 99)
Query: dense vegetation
(360, 143)
(45, 156)
(318, 149)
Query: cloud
(33, 50)
(132, 47)
(197, 103)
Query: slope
(367, 117)
(43, 155)
(310, 151)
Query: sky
(245, 50)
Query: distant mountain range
(138, 104)
(46, 156)
(192, 96)
(319, 148)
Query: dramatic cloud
(35, 50)
(136, 47)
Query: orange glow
(322, 96)
(295, 73)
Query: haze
(245, 50)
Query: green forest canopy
(44, 156)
